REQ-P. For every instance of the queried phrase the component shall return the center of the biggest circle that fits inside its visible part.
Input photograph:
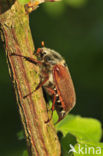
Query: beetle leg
(39, 86)
(53, 105)
(29, 59)
(54, 100)
(54, 97)
(42, 83)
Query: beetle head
(49, 56)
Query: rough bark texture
(15, 32)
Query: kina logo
(85, 149)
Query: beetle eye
(65, 64)
(47, 58)
(44, 52)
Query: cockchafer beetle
(55, 79)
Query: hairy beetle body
(59, 80)
(55, 78)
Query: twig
(41, 138)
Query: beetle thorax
(50, 57)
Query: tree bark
(15, 33)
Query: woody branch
(41, 138)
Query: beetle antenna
(42, 44)
(38, 50)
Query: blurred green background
(74, 28)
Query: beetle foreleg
(29, 59)
(39, 86)
(42, 83)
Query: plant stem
(41, 137)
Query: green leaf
(65, 144)
(23, 1)
(82, 128)
(55, 117)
